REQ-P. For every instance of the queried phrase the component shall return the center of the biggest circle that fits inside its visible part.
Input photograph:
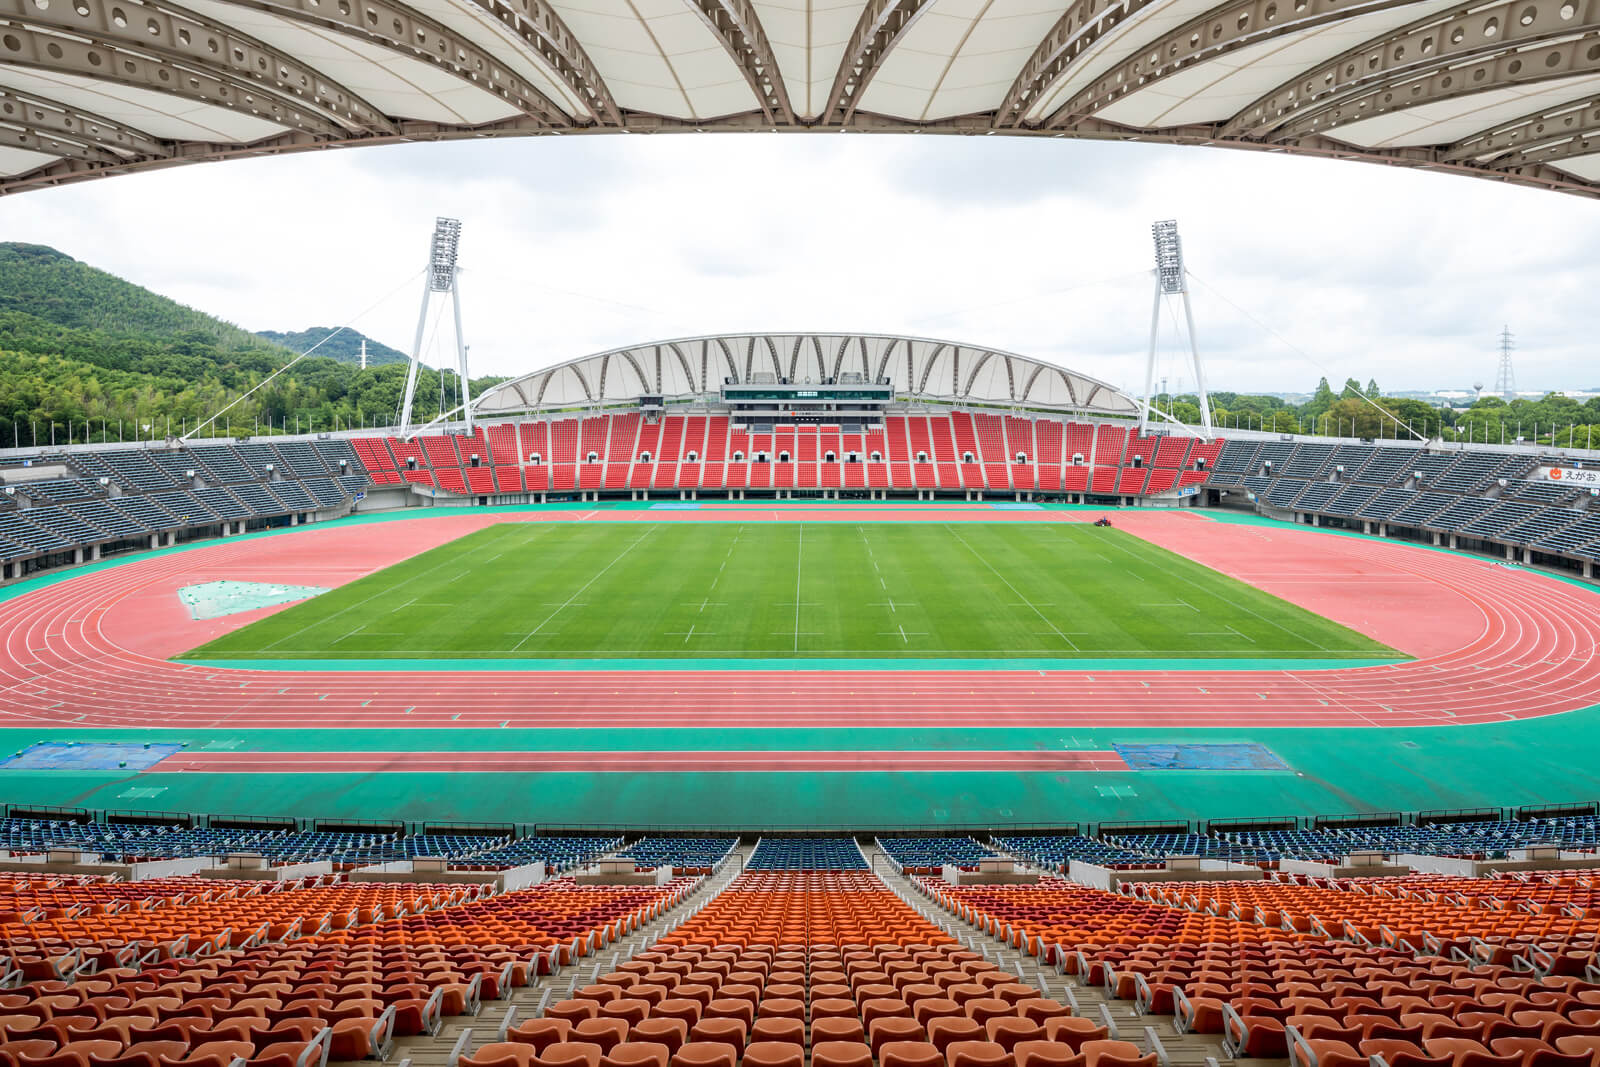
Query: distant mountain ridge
(86, 354)
(344, 347)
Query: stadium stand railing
(685, 855)
(927, 855)
(807, 854)
(1479, 834)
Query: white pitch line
(341, 611)
(1014, 590)
(1128, 551)
(593, 578)
(799, 557)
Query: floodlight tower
(441, 279)
(1172, 280)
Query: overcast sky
(574, 245)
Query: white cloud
(573, 245)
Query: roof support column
(1150, 359)
(416, 356)
(461, 353)
(1199, 369)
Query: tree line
(1357, 411)
(86, 357)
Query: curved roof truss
(697, 367)
(1502, 89)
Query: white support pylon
(1150, 359)
(461, 354)
(441, 279)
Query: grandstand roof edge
(919, 368)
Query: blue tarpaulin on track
(1239, 757)
(89, 756)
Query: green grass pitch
(721, 590)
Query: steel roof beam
(1542, 64)
(1584, 144)
(27, 138)
(1224, 29)
(544, 31)
(163, 47)
(737, 27)
(397, 27)
(1547, 126)
(1440, 57)
(1069, 39)
(26, 47)
(1532, 175)
(51, 120)
(882, 25)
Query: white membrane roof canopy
(697, 368)
(1504, 90)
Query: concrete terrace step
(461, 1034)
(438, 1050)
(1183, 1050)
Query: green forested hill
(56, 288)
(101, 358)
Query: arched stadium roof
(917, 367)
(1506, 90)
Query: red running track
(1493, 644)
(1036, 762)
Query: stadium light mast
(442, 278)
(1172, 280)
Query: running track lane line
(87, 652)
(1039, 761)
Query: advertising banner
(1569, 476)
